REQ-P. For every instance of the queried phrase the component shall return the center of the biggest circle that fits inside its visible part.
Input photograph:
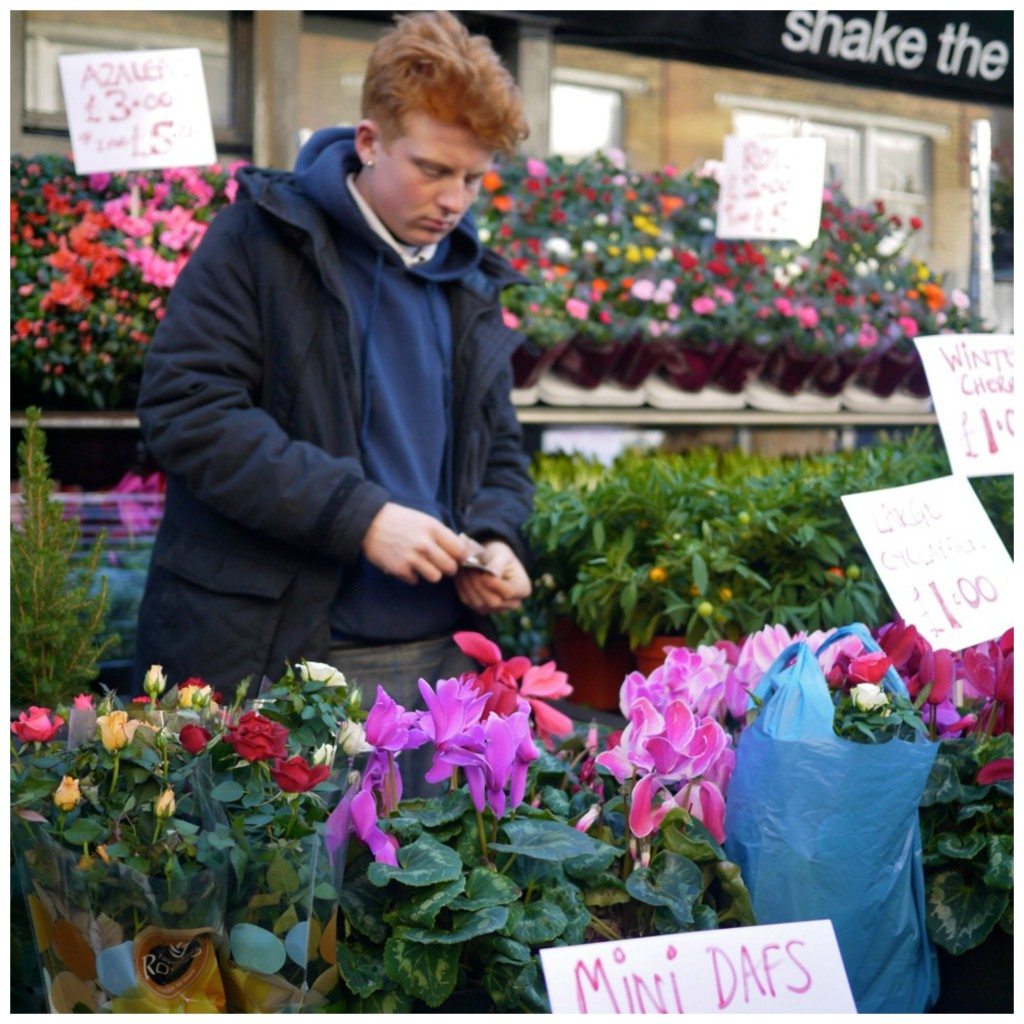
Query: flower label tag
(775, 968)
(169, 961)
(970, 377)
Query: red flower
(1000, 770)
(296, 776)
(687, 260)
(256, 738)
(719, 267)
(194, 738)
(37, 725)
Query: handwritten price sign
(939, 558)
(137, 110)
(970, 377)
(771, 188)
(776, 968)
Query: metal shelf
(542, 415)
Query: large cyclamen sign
(771, 188)
(775, 968)
(137, 110)
(939, 558)
(970, 377)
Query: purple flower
(363, 811)
(698, 677)
(390, 727)
(454, 707)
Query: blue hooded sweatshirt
(402, 318)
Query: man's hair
(429, 63)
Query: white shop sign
(137, 110)
(939, 558)
(771, 188)
(970, 377)
(775, 968)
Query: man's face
(422, 181)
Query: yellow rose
(116, 730)
(164, 805)
(68, 795)
(194, 696)
(155, 681)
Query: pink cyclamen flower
(382, 845)
(867, 336)
(703, 306)
(1000, 770)
(536, 168)
(577, 308)
(784, 306)
(390, 727)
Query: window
(584, 119)
(216, 34)
(871, 156)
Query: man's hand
(412, 545)
(501, 591)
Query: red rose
(868, 668)
(296, 776)
(194, 738)
(37, 725)
(256, 738)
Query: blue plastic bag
(824, 827)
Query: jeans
(398, 668)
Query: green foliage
(967, 837)
(712, 545)
(58, 599)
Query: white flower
(712, 169)
(959, 298)
(601, 219)
(872, 263)
(780, 276)
(154, 682)
(890, 245)
(868, 697)
(484, 235)
(706, 224)
(794, 270)
(352, 738)
(665, 255)
(318, 672)
(558, 247)
(590, 247)
(861, 269)
(324, 754)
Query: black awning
(954, 55)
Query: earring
(368, 163)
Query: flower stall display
(542, 837)
(92, 265)
(172, 849)
(628, 267)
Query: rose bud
(68, 795)
(154, 682)
(164, 805)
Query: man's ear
(367, 140)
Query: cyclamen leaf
(466, 926)
(960, 915)
(548, 840)
(421, 907)
(671, 881)
(999, 873)
(960, 847)
(360, 967)
(486, 888)
(363, 906)
(542, 922)
(423, 862)
(442, 810)
(424, 972)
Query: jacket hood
(321, 170)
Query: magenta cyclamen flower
(358, 814)
(697, 677)
(390, 727)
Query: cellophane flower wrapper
(282, 922)
(115, 939)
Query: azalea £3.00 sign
(137, 110)
(776, 968)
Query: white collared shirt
(412, 255)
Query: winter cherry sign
(970, 377)
(775, 968)
(137, 110)
(939, 558)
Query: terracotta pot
(530, 361)
(586, 362)
(834, 371)
(787, 368)
(741, 362)
(595, 673)
(638, 359)
(884, 373)
(651, 655)
(690, 367)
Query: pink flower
(867, 337)
(1000, 770)
(577, 308)
(509, 319)
(83, 702)
(908, 325)
(959, 298)
(826, 195)
(536, 168)
(868, 668)
(589, 817)
(807, 317)
(390, 727)
(705, 802)
(98, 182)
(642, 289)
(37, 725)
(703, 306)
(724, 296)
(784, 306)
(363, 813)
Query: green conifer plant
(58, 596)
